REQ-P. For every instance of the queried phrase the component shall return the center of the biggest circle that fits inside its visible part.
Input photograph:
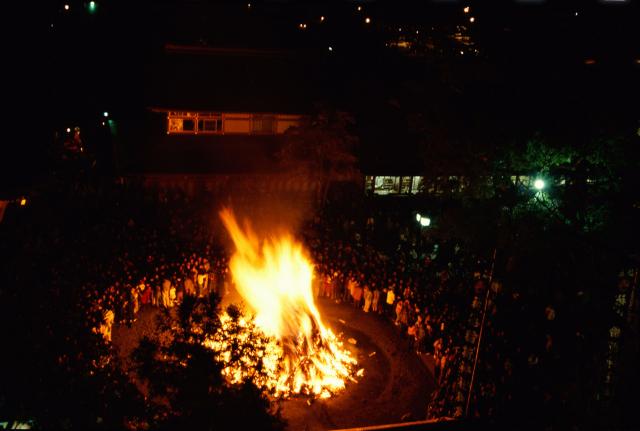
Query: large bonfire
(274, 277)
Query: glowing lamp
(23, 202)
(472, 19)
(105, 114)
(466, 9)
(425, 221)
(418, 217)
(539, 184)
(367, 20)
(66, 7)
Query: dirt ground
(395, 386)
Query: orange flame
(275, 279)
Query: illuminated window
(190, 122)
(175, 125)
(385, 185)
(417, 185)
(405, 185)
(181, 122)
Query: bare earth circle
(395, 387)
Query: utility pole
(484, 315)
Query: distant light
(461, 52)
(466, 9)
(400, 29)
(23, 202)
(576, 14)
(589, 61)
(539, 184)
(105, 114)
(359, 8)
(303, 25)
(322, 18)
(330, 48)
(425, 221)
(68, 129)
(367, 20)
(66, 7)
(249, 5)
(472, 19)
(92, 6)
(418, 217)
(103, 123)
(417, 31)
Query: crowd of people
(419, 285)
(441, 296)
(427, 289)
(432, 290)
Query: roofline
(167, 110)
(171, 48)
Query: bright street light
(418, 217)
(539, 184)
(425, 221)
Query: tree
(185, 379)
(56, 370)
(561, 244)
(322, 148)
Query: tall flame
(275, 279)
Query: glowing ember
(274, 278)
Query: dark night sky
(85, 63)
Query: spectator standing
(368, 297)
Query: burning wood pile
(297, 352)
